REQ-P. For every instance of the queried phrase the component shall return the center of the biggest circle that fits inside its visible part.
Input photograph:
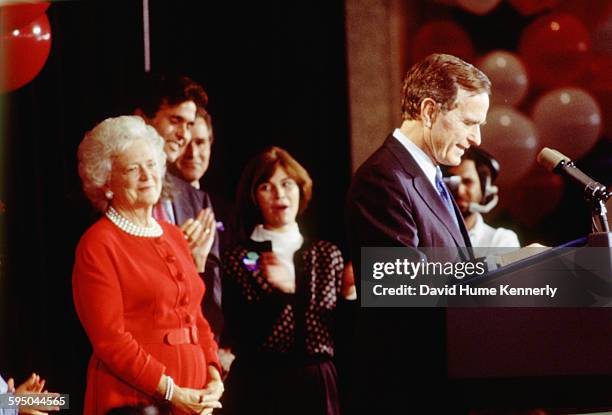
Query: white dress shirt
(485, 236)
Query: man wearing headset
(471, 183)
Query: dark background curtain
(275, 74)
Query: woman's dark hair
(259, 170)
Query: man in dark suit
(169, 104)
(398, 199)
(191, 166)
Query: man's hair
(201, 112)
(486, 165)
(439, 77)
(258, 171)
(157, 90)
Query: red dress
(139, 300)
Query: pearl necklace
(125, 225)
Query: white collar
(421, 158)
(284, 243)
(289, 240)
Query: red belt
(173, 337)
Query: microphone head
(549, 158)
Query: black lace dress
(283, 342)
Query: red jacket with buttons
(138, 299)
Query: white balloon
(568, 120)
(512, 139)
(508, 76)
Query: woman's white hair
(105, 142)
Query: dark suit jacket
(392, 203)
(187, 202)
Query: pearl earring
(108, 194)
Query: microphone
(557, 162)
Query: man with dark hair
(475, 195)
(169, 104)
(398, 199)
(193, 163)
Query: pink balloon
(442, 37)
(530, 7)
(568, 120)
(479, 7)
(556, 49)
(512, 139)
(508, 76)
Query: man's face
(453, 132)
(173, 125)
(193, 163)
(469, 191)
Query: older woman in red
(136, 288)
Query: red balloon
(601, 33)
(23, 53)
(590, 12)
(15, 16)
(598, 81)
(479, 7)
(556, 49)
(442, 37)
(531, 7)
(537, 196)
(446, 2)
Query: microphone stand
(597, 195)
(601, 236)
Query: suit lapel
(425, 190)
(186, 200)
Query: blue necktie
(446, 198)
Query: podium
(548, 353)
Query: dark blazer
(187, 202)
(392, 203)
